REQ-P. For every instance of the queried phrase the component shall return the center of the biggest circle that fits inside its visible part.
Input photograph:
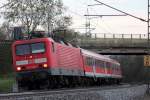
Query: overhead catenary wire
(120, 11)
(96, 16)
(81, 16)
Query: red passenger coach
(43, 62)
(100, 66)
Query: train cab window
(38, 48)
(22, 49)
(25, 49)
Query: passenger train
(44, 63)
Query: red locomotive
(42, 62)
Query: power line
(95, 5)
(121, 11)
(105, 15)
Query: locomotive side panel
(52, 54)
(69, 61)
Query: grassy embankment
(6, 83)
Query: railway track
(34, 94)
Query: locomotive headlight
(31, 57)
(45, 65)
(18, 68)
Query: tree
(32, 13)
(2, 36)
(5, 31)
(68, 35)
(64, 22)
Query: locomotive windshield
(23, 49)
(26, 49)
(37, 48)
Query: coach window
(114, 67)
(111, 66)
(117, 68)
(101, 64)
(108, 65)
(96, 63)
(53, 47)
(89, 61)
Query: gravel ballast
(125, 93)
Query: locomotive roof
(34, 40)
(98, 56)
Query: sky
(119, 25)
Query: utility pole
(48, 24)
(148, 29)
(148, 21)
(48, 20)
(88, 25)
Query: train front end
(31, 60)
